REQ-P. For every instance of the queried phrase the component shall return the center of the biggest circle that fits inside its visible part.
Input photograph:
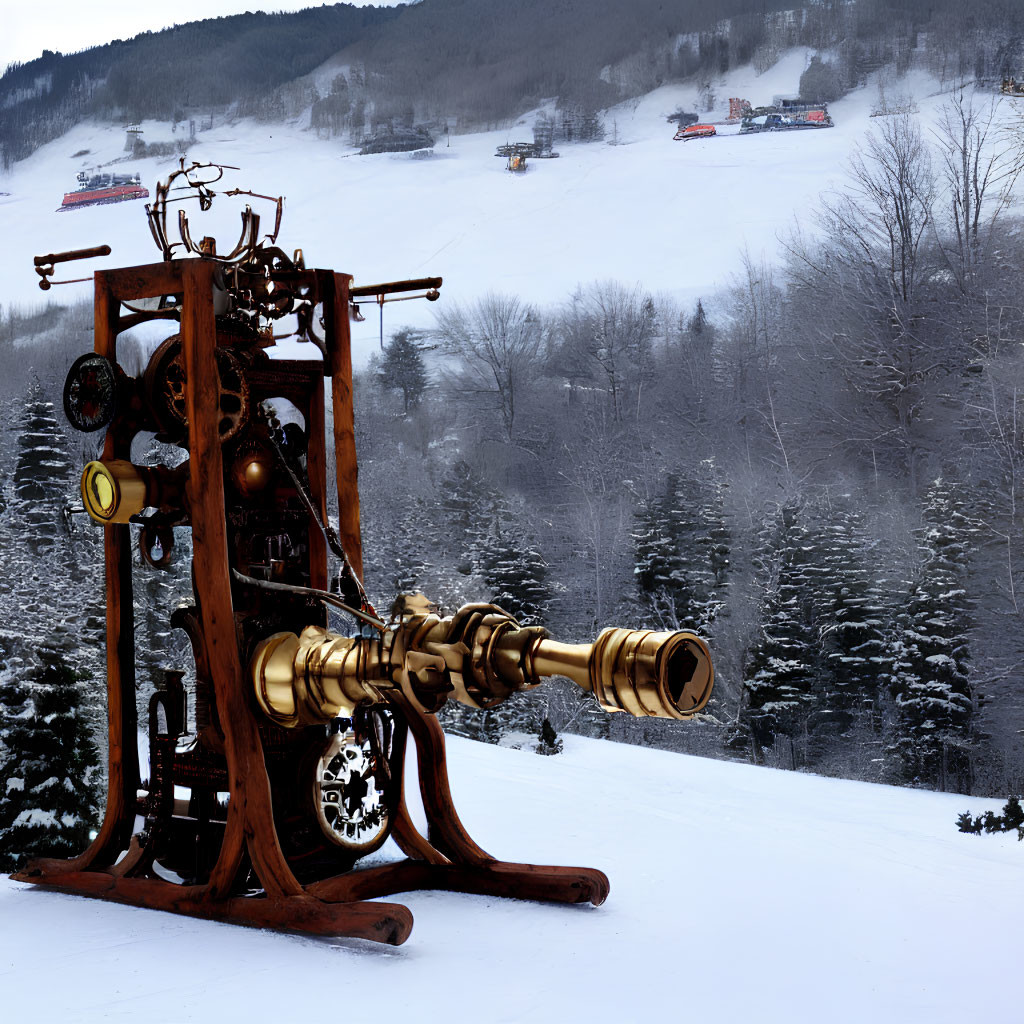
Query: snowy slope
(671, 215)
(738, 894)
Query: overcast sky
(26, 29)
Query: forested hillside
(182, 71)
(477, 62)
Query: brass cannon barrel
(479, 656)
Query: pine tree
(779, 674)
(402, 368)
(48, 802)
(931, 681)
(405, 559)
(42, 473)
(515, 576)
(53, 564)
(514, 571)
(681, 552)
(463, 517)
(854, 613)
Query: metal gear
(351, 807)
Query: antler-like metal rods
(45, 264)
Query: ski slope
(672, 215)
(737, 894)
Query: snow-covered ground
(671, 215)
(738, 894)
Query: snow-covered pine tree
(780, 668)
(515, 575)
(402, 368)
(52, 564)
(930, 680)
(853, 611)
(681, 552)
(405, 560)
(42, 472)
(48, 800)
(460, 527)
(463, 517)
(514, 570)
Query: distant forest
(481, 62)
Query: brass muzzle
(113, 491)
(647, 674)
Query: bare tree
(606, 334)
(498, 341)
(888, 206)
(868, 272)
(981, 162)
(757, 326)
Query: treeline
(482, 62)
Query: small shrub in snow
(1011, 819)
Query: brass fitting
(115, 490)
(480, 656)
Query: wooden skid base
(489, 878)
(379, 922)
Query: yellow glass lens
(99, 492)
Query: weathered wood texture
(493, 878)
(447, 858)
(250, 811)
(334, 291)
(380, 922)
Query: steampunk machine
(289, 768)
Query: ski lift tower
(133, 135)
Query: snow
(44, 819)
(738, 893)
(672, 215)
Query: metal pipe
(479, 656)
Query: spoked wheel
(353, 790)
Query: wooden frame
(116, 866)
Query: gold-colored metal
(113, 491)
(251, 470)
(479, 656)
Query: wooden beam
(250, 811)
(334, 290)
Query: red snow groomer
(695, 131)
(103, 188)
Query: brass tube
(553, 658)
(113, 491)
(479, 656)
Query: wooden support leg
(451, 860)
(447, 833)
(379, 922)
(494, 878)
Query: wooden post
(339, 351)
(250, 811)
